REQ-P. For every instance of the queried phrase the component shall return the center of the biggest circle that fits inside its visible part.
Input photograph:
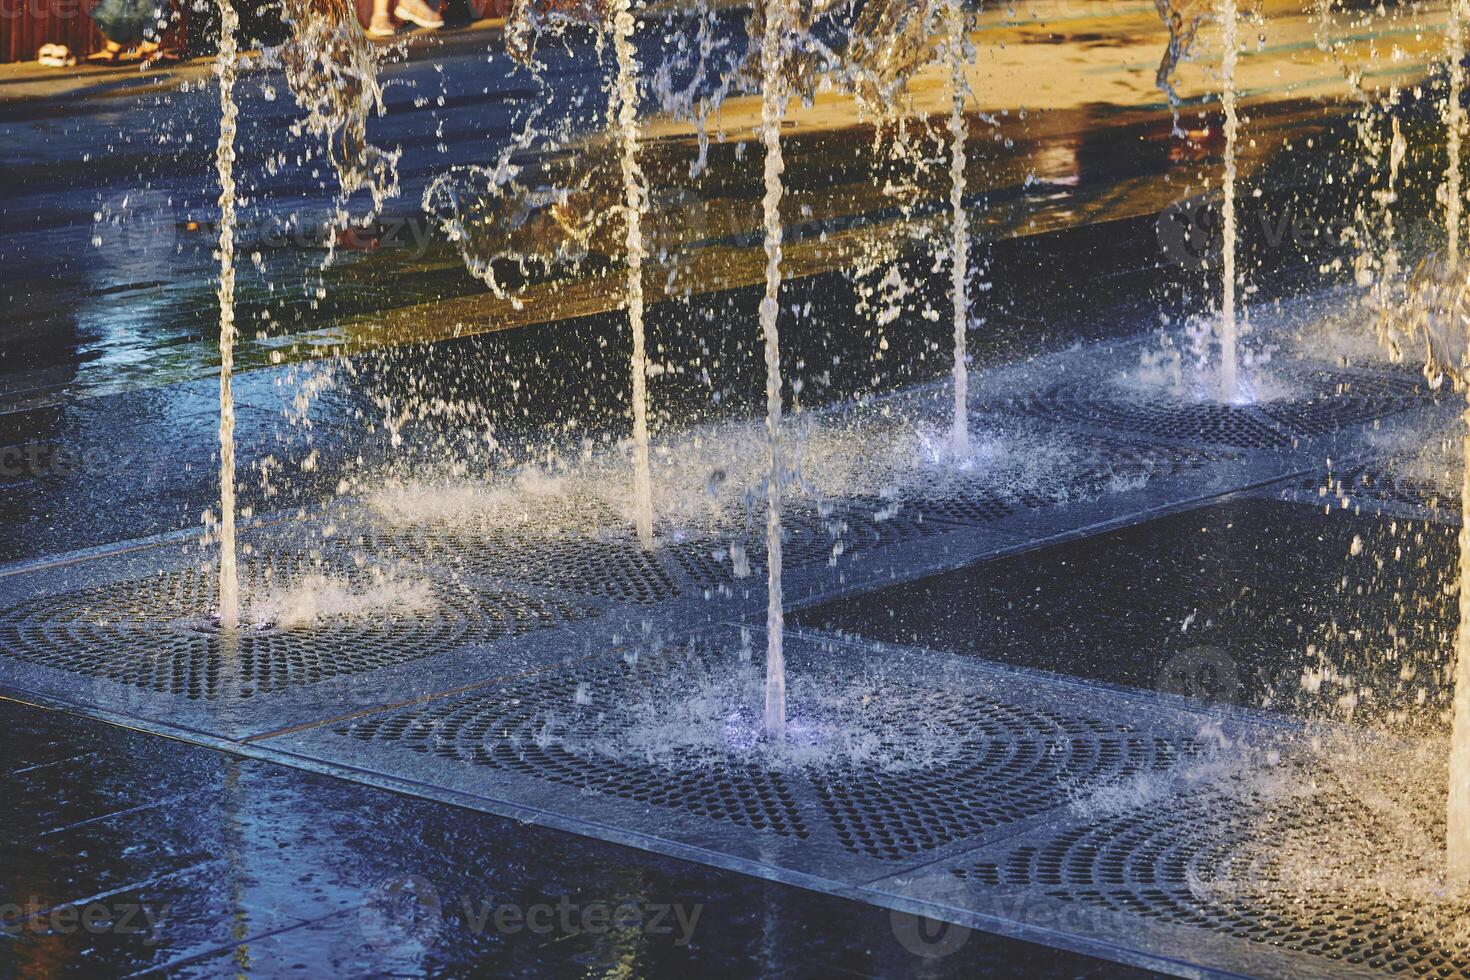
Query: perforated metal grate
(158, 633)
(1204, 860)
(1203, 423)
(1341, 399)
(865, 524)
(1015, 762)
(504, 729)
(1327, 401)
(1117, 459)
(1376, 482)
(999, 761)
(1102, 465)
(582, 563)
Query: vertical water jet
(227, 66)
(1228, 355)
(773, 108)
(1457, 842)
(1457, 824)
(1454, 123)
(960, 225)
(635, 206)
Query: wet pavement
(131, 855)
(1232, 603)
(395, 361)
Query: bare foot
(109, 54)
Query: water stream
(1454, 123)
(1229, 385)
(635, 206)
(960, 243)
(773, 108)
(227, 66)
(1457, 844)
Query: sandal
(420, 14)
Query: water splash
(773, 108)
(625, 103)
(530, 20)
(1229, 387)
(709, 712)
(960, 243)
(1183, 19)
(227, 67)
(318, 599)
(1442, 282)
(888, 44)
(332, 70)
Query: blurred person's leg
(381, 25)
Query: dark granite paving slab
(250, 868)
(1231, 602)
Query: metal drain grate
(1331, 401)
(158, 634)
(994, 761)
(1103, 465)
(582, 564)
(1341, 400)
(1027, 759)
(1119, 460)
(1376, 483)
(1196, 861)
(503, 729)
(1202, 423)
(867, 523)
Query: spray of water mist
(226, 66)
(635, 206)
(332, 70)
(773, 107)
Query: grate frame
(129, 634)
(1174, 877)
(1371, 486)
(1337, 401)
(1027, 746)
